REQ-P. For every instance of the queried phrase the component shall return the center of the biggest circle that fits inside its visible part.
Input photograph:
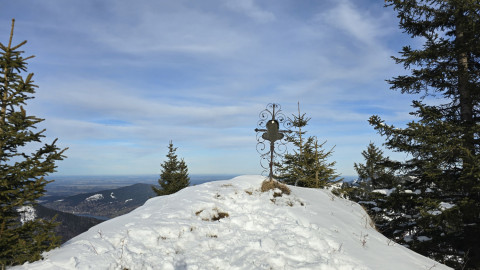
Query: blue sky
(118, 79)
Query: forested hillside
(70, 225)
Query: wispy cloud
(359, 23)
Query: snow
(232, 225)
(27, 213)
(442, 207)
(95, 197)
(112, 196)
(445, 206)
(385, 191)
(423, 238)
(435, 212)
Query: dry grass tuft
(271, 185)
(219, 216)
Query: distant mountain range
(104, 204)
(64, 186)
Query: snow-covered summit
(232, 225)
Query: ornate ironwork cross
(268, 129)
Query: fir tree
(376, 189)
(174, 176)
(377, 172)
(443, 143)
(307, 166)
(22, 174)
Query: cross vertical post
(272, 133)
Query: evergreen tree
(444, 168)
(377, 172)
(174, 176)
(307, 166)
(376, 190)
(22, 174)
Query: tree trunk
(465, 95)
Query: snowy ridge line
(232, 225)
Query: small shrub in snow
(272, 185)
(363, 239)
(214, 215)
(219, 216)
(277, 193)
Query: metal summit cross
(272, 133)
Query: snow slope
(232, 225)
